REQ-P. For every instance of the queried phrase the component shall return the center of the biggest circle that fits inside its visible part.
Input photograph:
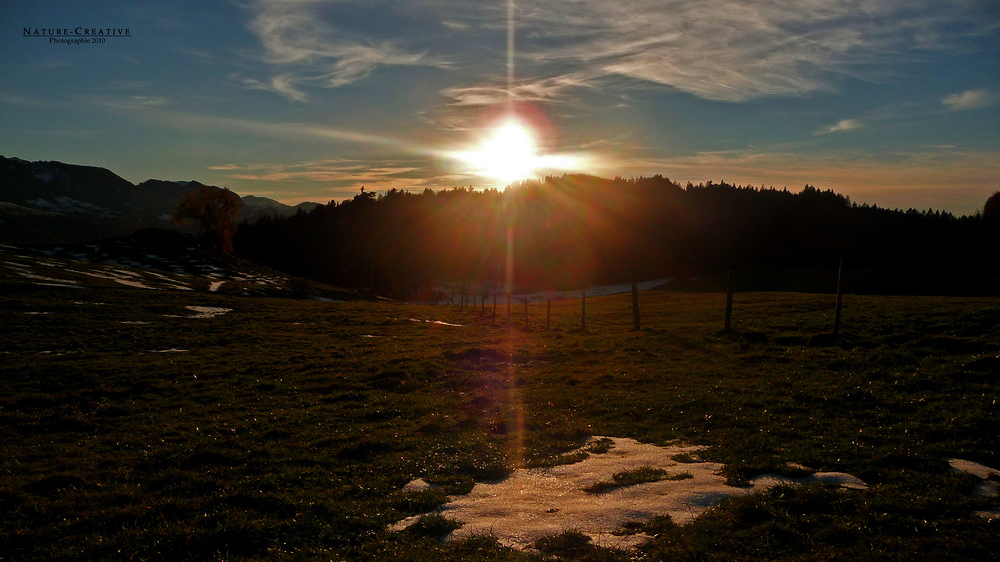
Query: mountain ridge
(79, 203)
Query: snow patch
(207, 311)
(64, 204)
(419, 485)
(439, 322)
(533, 503)
(978, 470)
(131, 283)
(988, 488)
(63, 282)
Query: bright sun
(507, 155)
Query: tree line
(567, 232)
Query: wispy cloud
(969, 99)
(528, 90)
(304, 48)
(841, 126)
(733, 50)
(728, 50)
(129, 102)
(343, 177)
(282, 84)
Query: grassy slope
(285, 431)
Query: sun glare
(510, 153)
(507, 155)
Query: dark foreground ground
(133, 426)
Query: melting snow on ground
(51, 280)
(533, 503)
(988, 488)
(438, 322)
(207, 311)
(202, 312)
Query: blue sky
(891, 102)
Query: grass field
(285, 428)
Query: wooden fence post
(840, 292)
(635, 305)
(525, 313)
(494, 308)
(583, 311)
(729, 299)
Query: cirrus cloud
(731, 50)
(308, 49)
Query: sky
(892, 102)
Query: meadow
(282, 428)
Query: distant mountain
(257, 207)
(43, 202)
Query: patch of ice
(533, 503)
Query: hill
(576, 230)
(83, 203)
(152, 258)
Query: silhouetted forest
(575, 230)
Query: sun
(508, 154)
